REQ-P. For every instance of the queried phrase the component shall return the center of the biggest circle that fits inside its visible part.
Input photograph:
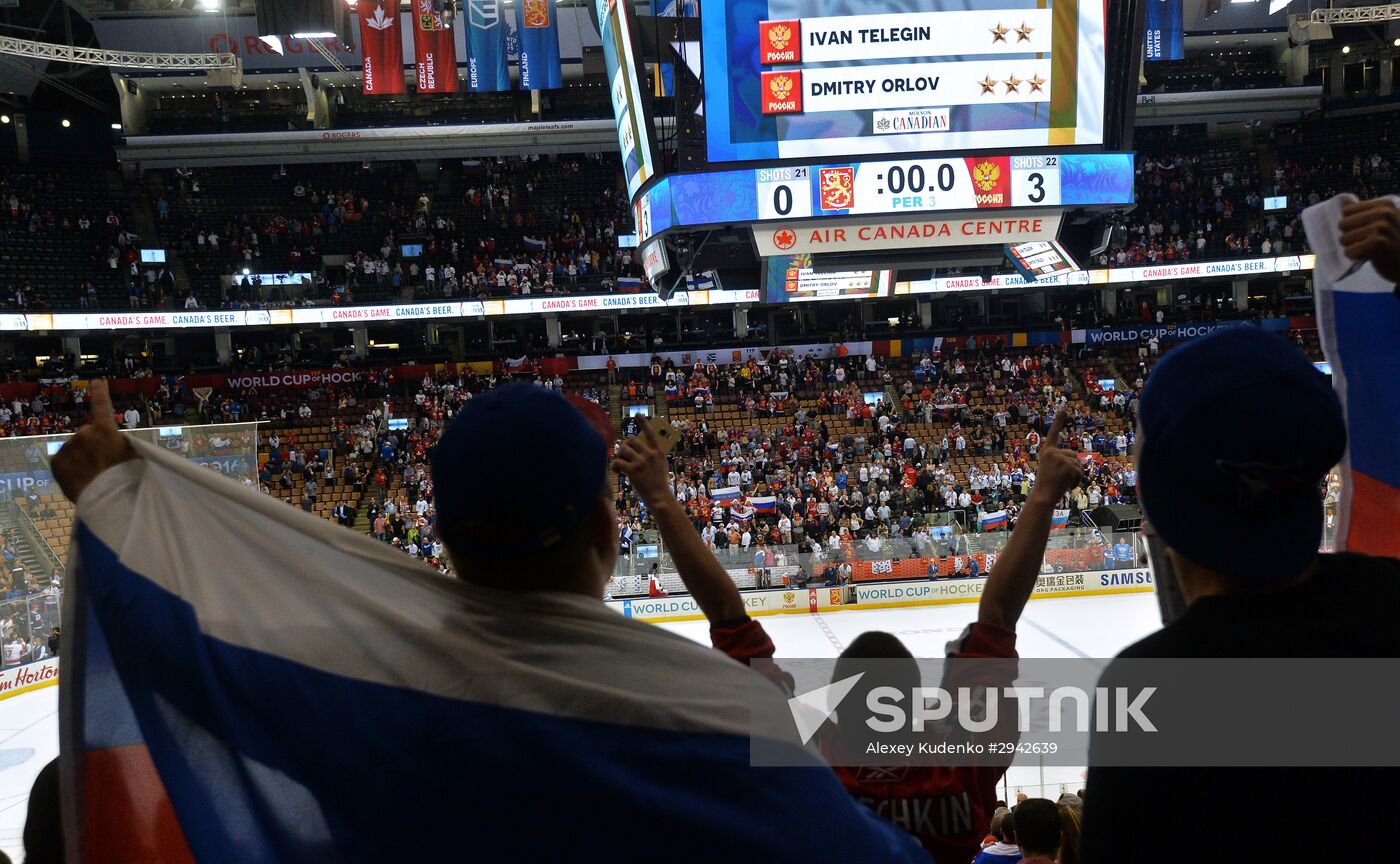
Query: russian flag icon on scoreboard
(779, 42)
(781, 92)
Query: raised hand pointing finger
(93, 448)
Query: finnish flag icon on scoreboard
(779, 42)
(836, 188)
(782, 92)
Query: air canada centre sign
(819, 236)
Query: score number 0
(786, 194)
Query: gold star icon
(999, 33)
(1023, 33)
(1012, 83)
(988, 85)
(1036, 83)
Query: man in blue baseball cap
(521, 485)
(1237, 432)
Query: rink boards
(888, 595)
(27, 678)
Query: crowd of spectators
(957, 432)
(497, 228)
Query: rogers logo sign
(340, 136)
(222, 43)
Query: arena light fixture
(1346, 49)
(4, 118)
(116, 127)
(1396, 43)
(324, 34)
(209, 5)
(65, 123)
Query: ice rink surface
(28, 742)
(1092, 627)
(1086, 627)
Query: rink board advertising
(815, 79)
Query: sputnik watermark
(892, 713)
(1103, 709)
(1114, 709)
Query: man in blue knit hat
(1237, 432)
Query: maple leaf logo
(780, 87)
(784, 238)
(883, 123)
(380, 21)
(986, 175)
(779, 37)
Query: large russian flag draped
(538, 25)
(991, 521)
(435, 54)
(1358, 319)
(381, 47)
(244, 682)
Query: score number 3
(1035, 186)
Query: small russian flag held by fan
(992, 521)
(725, 495)
(766, 504)
(1059, 519)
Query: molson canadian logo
(838, 188)
(782, 92)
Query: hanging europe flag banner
(486, 47)
(538, 26)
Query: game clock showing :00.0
(909, 186)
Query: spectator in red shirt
(948, 808)
(654, 588)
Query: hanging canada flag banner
(435, 55)
(381, 46)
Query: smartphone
(1170, 602)
(665, 432)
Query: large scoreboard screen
(634, 131)
(823, 79)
